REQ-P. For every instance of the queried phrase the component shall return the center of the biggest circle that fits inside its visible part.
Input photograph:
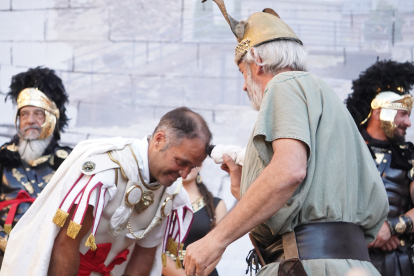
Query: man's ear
(376, 114)
(159, 140)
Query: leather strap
(331, 240)
(289, 245)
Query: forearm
(263, 199)
(141, 261)
(64, 260)
(170, 269)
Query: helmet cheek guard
(387, 117)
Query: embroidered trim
(198, 204)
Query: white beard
(254, 91)
(30, 150)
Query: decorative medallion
(88, 166)
(400, 226)
(133, 195)
(12, 147)
(146, 201)
(166, 207)
(62, 154)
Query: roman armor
(385, 85)
(22, 180)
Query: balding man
(109, 195)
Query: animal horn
(232, 22)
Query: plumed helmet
(43, 88)
(259, 28)
(383, 76)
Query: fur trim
(239, 30)
(49, 83)
(384, 75)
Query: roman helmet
(384, 85)
(259, 28)
(40, 87)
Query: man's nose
(31, 118)
(184, 173)
(245, 86)
(408, 121)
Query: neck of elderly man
(258, 74)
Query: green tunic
(342, 181)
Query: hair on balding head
(183, 123)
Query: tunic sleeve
(283, 114)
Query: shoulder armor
(98, 163)
(59, 155)
(9, 155)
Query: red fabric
(22, 196)
(93, 261)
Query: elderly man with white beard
(308, 190)
(29, 160)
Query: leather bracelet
(400, 225)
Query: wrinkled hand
(235, 172)
(391, 244)
(201, 254)
(383, 236)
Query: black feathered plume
(46, 81)
(386, 75)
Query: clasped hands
(384, 240)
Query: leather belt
(326, 240)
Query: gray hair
(278, 55)
(183, 123)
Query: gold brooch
(62, 154)
(88, 166)
(146, 201)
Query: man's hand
(383, 236)
(391, 244)
(235, 174)
(201, 254)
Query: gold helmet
(390, 103)
(35, 97)
(260, 28)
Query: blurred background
(126, 63)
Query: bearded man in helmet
(381, 107)
(309, 191)
(29, 160)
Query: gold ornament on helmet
(35, 97)
(260, 28)
(390, 103)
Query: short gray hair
(183, 123)
(278, 55)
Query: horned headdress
(259, 28)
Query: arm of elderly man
(289, 165)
